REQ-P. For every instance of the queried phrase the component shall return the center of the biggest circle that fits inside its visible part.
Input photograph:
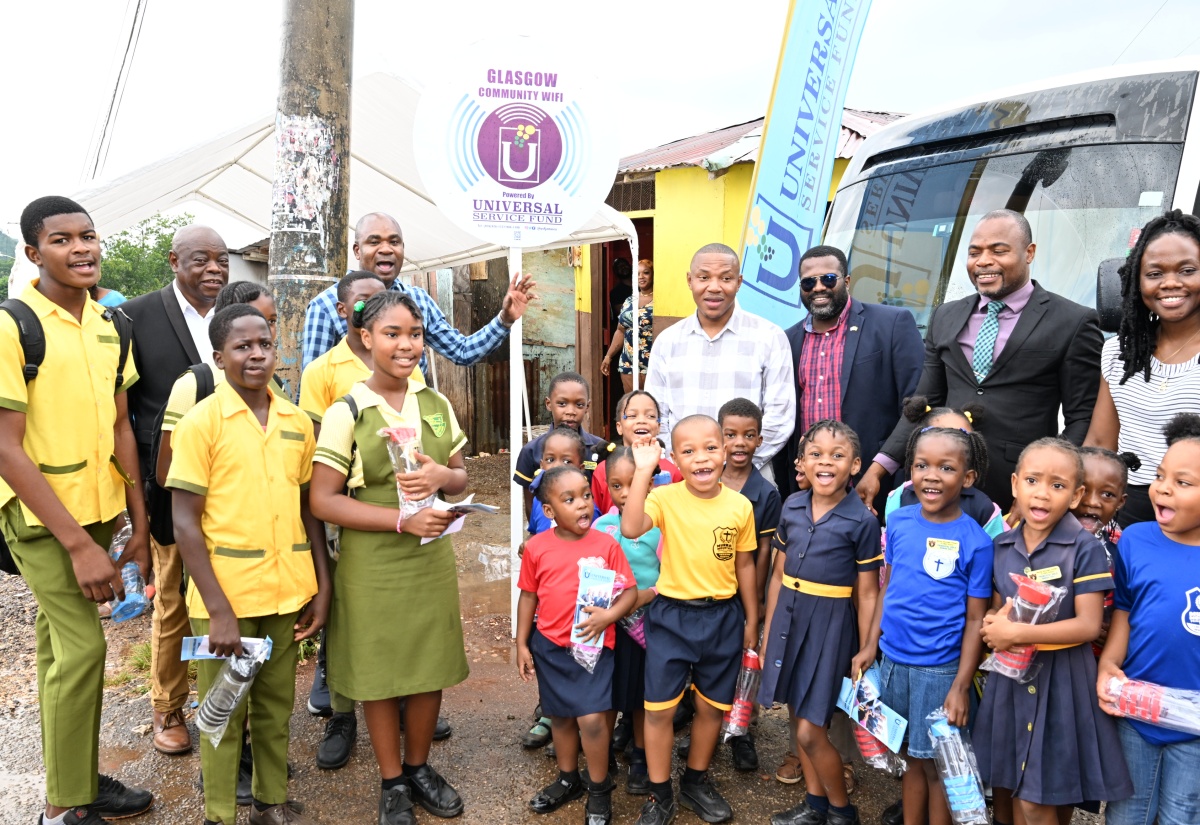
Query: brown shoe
(289, 813)
(789, 772)
(171, 734)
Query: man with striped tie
(1020, 351)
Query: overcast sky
(677, 69)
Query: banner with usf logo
(799, 144)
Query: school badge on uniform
(437, 423)
(1191, 612)
(723, 538)
(940, 557)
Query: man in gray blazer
(1021, 352)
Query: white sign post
(515, 148)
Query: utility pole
(310, 199)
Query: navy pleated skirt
(1048, 741)
(813, 639)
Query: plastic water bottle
(1174, 708)
(1027, 608)
(227, 691)
(135, 603)
(960, 775)
(737, 718)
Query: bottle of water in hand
(135, 603)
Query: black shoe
(802, 814)
(745, 755)
(655, 814)
(115, 801)
(78, 816)
(245, 781)
(637, 781)
(318, 697)
(433, 793)
(340, 732)
(623, 733)
(834, 818)
(703, 798)
(442, 730)
(893, 814)
(598, 810)
(683, 747)
(550, 750)
(396, 807)
(555, 795)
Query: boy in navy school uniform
(741, 428)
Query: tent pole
(516, 393)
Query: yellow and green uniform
(70, 414)
(251, 478)
(395, 627)
(331, 376)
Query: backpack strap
(354, 412)
(205, 382)
(30, 333)
(124, 325)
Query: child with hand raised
(577, 702)
(636, 420)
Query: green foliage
(135, 261)
(8, 250)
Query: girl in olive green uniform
(395, 627)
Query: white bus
(1088, 159)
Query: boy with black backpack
(68, 466)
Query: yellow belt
(1058, 647)
(829, 591)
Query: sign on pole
(516, 146)
(799, 144)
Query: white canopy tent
(234, 174)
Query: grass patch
(139, 657)
(118, 679)
(308, 649)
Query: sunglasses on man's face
(828, 280)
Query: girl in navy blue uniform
(828, 545)
(937, 583)
(1046, 745)
(1155, 634)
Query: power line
(1139, 31)
(1188, 46)
(95, 162)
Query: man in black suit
(873, 353)
(1020, 351)
(170, 334)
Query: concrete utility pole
(310, 201)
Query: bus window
(906, 233)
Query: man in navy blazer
(872, 352)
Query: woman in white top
(1152, 366)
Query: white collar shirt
(197, 325)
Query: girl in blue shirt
(1155, 634)
(937, 581)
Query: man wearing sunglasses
(851, 361)
(854, 362)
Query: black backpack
(158, 499)
(33, 344)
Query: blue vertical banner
(799, 144)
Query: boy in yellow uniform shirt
(258, 565)
(64, 438)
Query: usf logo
(723, 539)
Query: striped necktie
(985, 341)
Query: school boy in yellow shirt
(257, 563)
(64, 438)
(704, 613)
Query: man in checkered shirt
(723, 352)
(379, 247)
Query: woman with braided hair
(1151, 367)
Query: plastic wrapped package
(598, 587)
(135, 602)
(227, 691)
(403, 447)
(958, 770)
(876, 754)
(1035, 603)
(1174, 708)
(737, 718)
(635, 625)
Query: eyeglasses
(828, 280)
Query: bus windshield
(906, 233)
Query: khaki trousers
(168, 675)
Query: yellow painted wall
(691, 210)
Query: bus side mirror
(1108, 294)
